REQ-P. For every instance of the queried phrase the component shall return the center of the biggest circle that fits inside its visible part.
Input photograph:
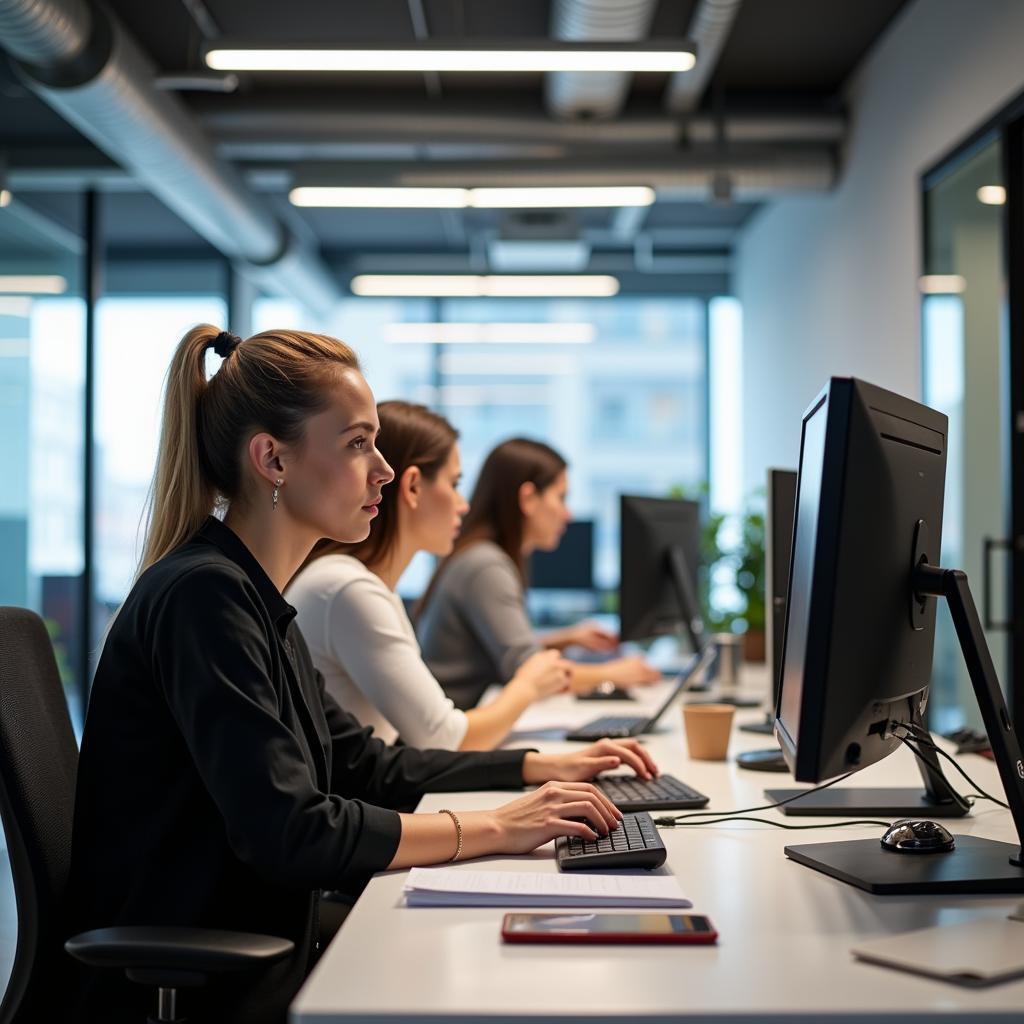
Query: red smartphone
(652, 928)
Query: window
(136, 337)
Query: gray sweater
(474, 631)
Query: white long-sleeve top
(362, 641)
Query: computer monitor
(860, 624)
(571, 565)
(659, 563)
(780, 511)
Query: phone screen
(591, 924)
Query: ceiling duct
(709, 29)
(757, 173)
(590, 94)
(83, 63)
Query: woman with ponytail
(473, 625)
(218, 784)
(356, 626)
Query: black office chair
(38, 764)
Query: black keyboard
(615, 726)
(634, 844)
(665, 793)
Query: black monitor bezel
(836, 397)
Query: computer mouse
(916, 835)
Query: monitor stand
(974, 865)
(938, 799)
(766, 727)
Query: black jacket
(220, 785)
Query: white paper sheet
(451, 887)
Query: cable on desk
(768, 821)
(671, 820)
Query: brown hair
(494, 512)
(410, 435)
(274, 381)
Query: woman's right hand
(554, 809)
(541, 675)
(632, 671)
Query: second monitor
(660, 559)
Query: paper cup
(707, 730)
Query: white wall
(829, 284)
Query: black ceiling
(781, 55)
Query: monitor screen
(571, 565)
(780, 516)
(812, 453)
(658, 534)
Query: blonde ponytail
(180, 497)
(274, 381)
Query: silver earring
(277, 490)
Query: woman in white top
(356, 626)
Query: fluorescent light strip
(460, 198)
(992, 195)
(490, 334)
(590, 195)
(476, 286)
(5, 197)
(941, 284)
(429, 59)
(380, 198)
(32, 284)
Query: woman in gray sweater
(473, 627)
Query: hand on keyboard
(605, 755)
(576, 809)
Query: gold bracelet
(458, 833)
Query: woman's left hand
(590, 637)
(603, 756)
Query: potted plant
(733, 583)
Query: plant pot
(753, 645)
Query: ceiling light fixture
(447, 55)
(941, 284)
(5, 197)
(32, 284)
(380, 198)
(461, 198)
(489, 286)
(992, 195)
(490, 334)
(561, 196)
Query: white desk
(785, 930)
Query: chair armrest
(172, 948)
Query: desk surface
(785, 930)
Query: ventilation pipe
(709, 30)
(83, 63)
(594, 94)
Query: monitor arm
(931, 581)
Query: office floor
(8, 919)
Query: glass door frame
(1008, 127)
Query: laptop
(621, 726)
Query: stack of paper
(458, 887)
